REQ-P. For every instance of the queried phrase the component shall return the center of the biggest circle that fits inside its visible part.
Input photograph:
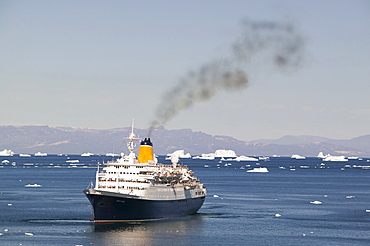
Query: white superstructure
(148, 181)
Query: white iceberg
(329, 157)
(33, 185)
(224, 153)
(40, 154)
(180, 154)
(258, 170)
(6, 152)
(298, 157)
(245, 158)
(87, 154)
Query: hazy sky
(98, 64)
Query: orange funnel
(146, 151)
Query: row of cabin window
(127, 167)
(124, 180)
(122, 173)
(122, 187)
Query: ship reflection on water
(146, 233)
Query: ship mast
(131, 137)
(130, 144)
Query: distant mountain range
(69, 140)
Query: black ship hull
(109, 208)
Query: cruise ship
(139, 188)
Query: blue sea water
(240, 207)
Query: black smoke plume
(279, 44)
